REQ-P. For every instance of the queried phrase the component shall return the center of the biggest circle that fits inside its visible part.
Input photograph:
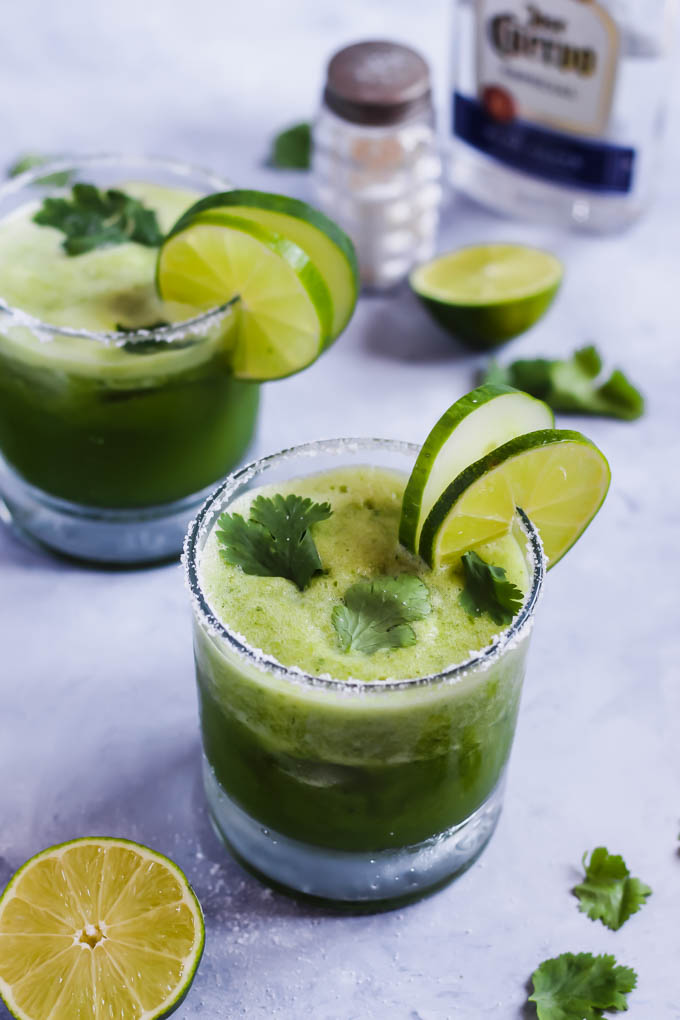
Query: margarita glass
(111, 432)
(348, 790)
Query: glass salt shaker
(376, 167)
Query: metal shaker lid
(377, 83)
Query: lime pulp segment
(558, 477)
(98, 928)
(327, 246)
(479, 422)
(284, 308)
(488, 274)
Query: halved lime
(476, 424)
(558, 477)
(98, 928)
(285, 309)
(488, 293)
(328, 247)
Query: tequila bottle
(559, 105)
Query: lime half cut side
(488, 293)
(475, 425)
(558, 477)
(284, 309)
(98, 928)
(322, 240)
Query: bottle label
(545, 75)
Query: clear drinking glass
(345, 790)
(110, 441)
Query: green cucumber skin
(276, 203)
(440, 433)
(408, 525)
(418, 766)
(285, 206)
(514, 447)
(81, 440)
(484, 328)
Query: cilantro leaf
(487, 590)
(58, 179)
(94, 219)
(572, 385)
(609, 894)
(152, 345)
(579, 986)
(292, 148)
(377, 613)
(158, 324)
(276, 540)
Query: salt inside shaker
(375, 162)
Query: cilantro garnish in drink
(276, 540)
(487, 590)
(579, 986)
(92, 218)
(609, 893)
(377, 613)
(573, 384)
(147, 326)
(313, 573)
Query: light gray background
(98, 733)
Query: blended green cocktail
(364, 769)
(93, 412)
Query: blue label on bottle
(559, 158)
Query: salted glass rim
(115, 338)
(201, 526)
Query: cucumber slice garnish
(476, 424)
(488, 293)
(284, 309)
(328, 247)
(558, 477)
(98, 927)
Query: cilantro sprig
(488, 591)
(377, 613)
(152, 345)
(573, 385)
(276, 540)
(292, 148)
(91, 219)
(158, 324)
(579, 986)
(59, 179)
(609, 893)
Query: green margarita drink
(137, 317)
(350, 754)
(116, 408)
